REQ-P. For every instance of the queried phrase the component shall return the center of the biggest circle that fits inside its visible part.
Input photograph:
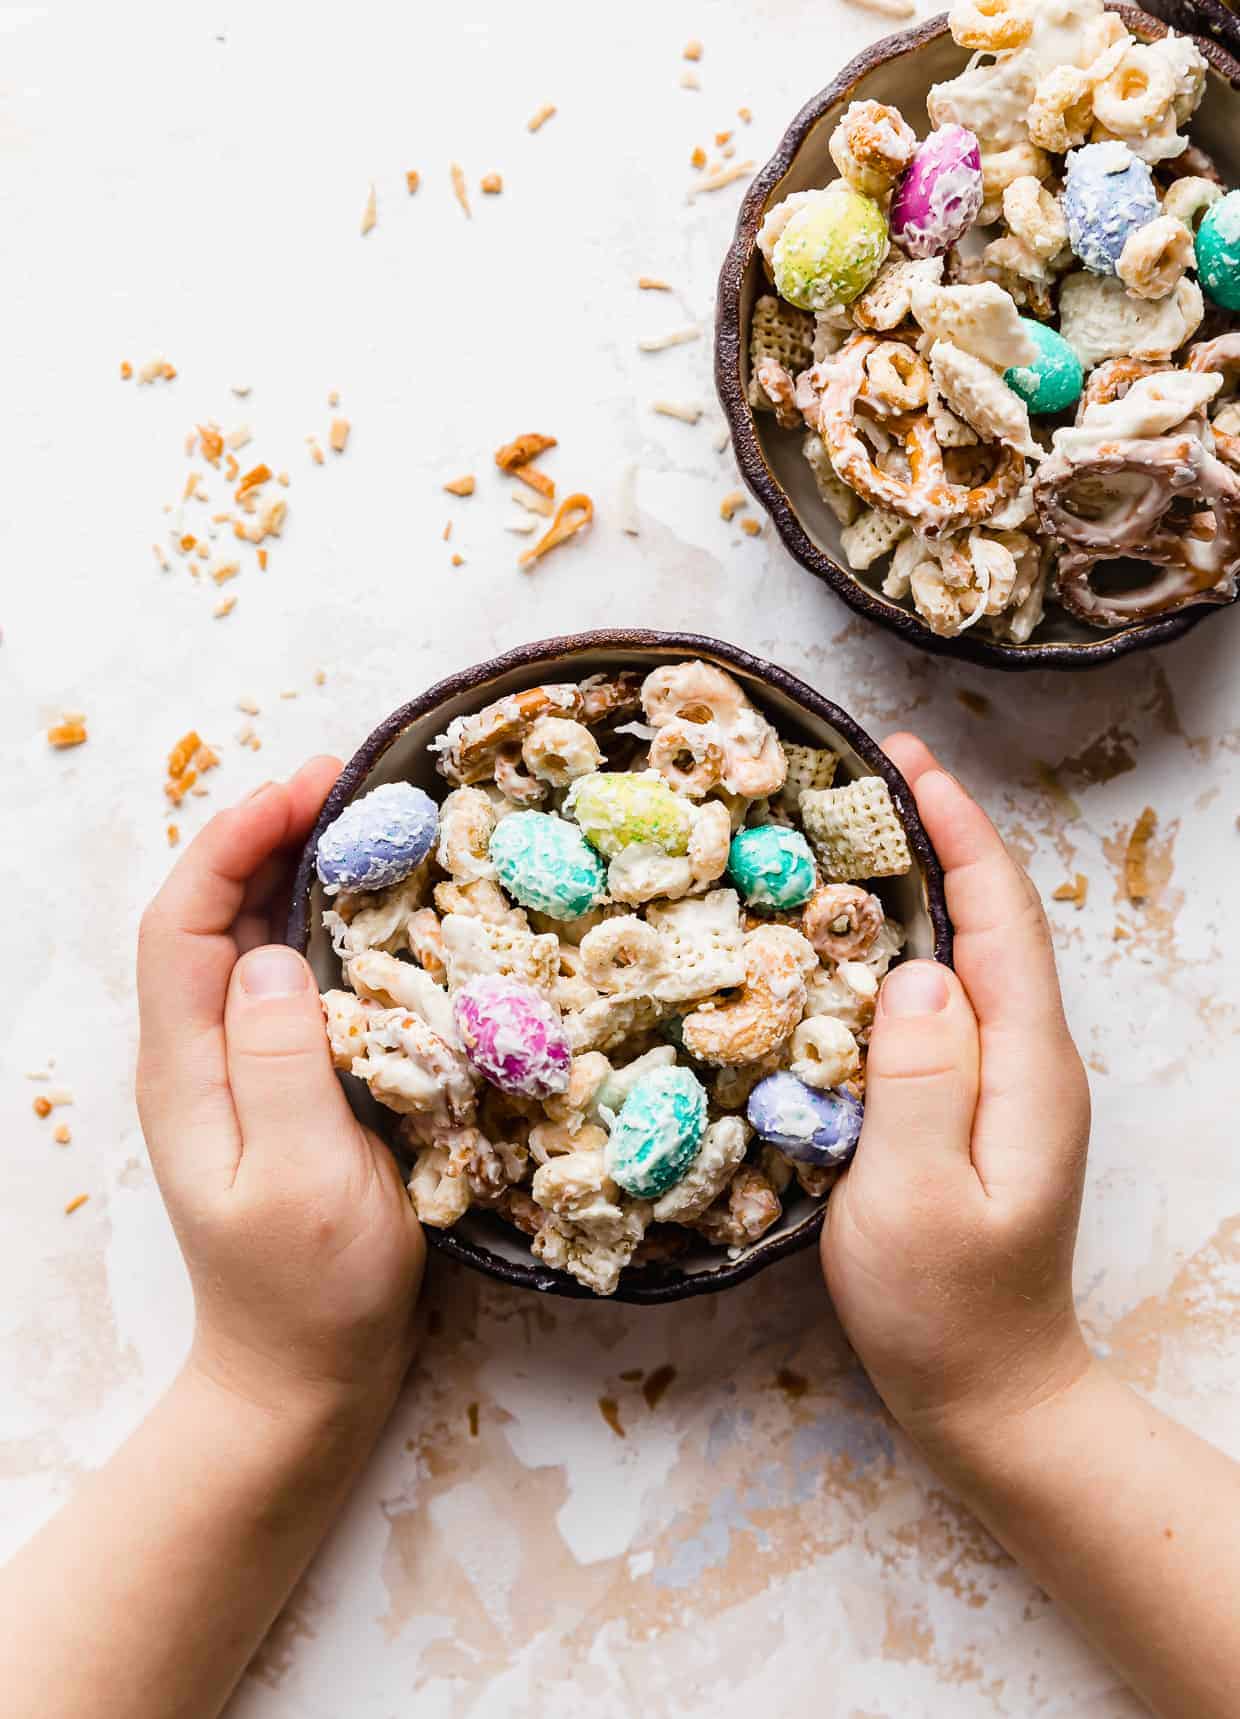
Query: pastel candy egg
(938, 195)
(830, 250)
(1053, 381)
(618, 808)
(1218, 251)
(656, 1136)
(1108, 193)
(772, 866)
(815, 1127)
(512, 1036)
(546, 864)
(378, 839)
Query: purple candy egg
(938, 195)
(513, 1036)
(816, 1127)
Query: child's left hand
(302, 1247)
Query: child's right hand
(948, 1244)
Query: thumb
(921, 1079)
(279, 1067)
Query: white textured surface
(168, 191)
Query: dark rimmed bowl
(398, 750)
(899, 70)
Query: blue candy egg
(1108, 193)
(772, 866)
(815, 1127)
(377, 840)
(1054, 380)
(657, 1134)
(1218, 251)
(546, 864)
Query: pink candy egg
(513, 1036)
(938, 195)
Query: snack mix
(989, 334)
(619, 983)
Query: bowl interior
(899, 72)
(398, 751)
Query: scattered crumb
(522, 523)
(61, 1134)
(174, 835)
(261, 557)
(539, 119)
(320, 677)
(888, 8)
(69, 731)
(656, 1385)
(225, 606)
(412, 180)
(522, 449)
(674, 337)
(627, 503)
(76, 1204)
(721, 438)
(156, 370)
(732, 503)
(471, 1415)
(126, 370)
(698, 158)
(222, 571)
(722, 137)
(1051, 785)
(240, 389)
(535, 480)
(491, 184)
(1075, 892)
(370, 212)
(238, 438)
(59, 1095)
(793, 1385)
(316, 452)
(693, 50)
(253, 479)
(610, 1411)
(161, 556)
(462, 485)
(652, 283)
(722, 176)
(289, 692)
(457, 174)
(333, 396)
(535, 503)
(189, 760)
(975, 702)
(750, 526)
(1120, 934)
(690, 81)
(447, 531)
(458, 560)
(250, 706)
(631, 1375)
(42, 1106)
(338, 435)
(687, 414)
(1136, 855)
(745, 115)
(574, 513)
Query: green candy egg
(657, 1134)
(1218, 251)
(830, 250)
(617, 808)
(546, 864)
(1054, 380)
(772, 866)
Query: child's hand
(302, 1247)
(948, 1245)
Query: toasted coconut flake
(225, 606)
(491, 184)
(722, 176)
(76, 1204)
(458, 560)
(126, 370)
(231, 468)
(539, 119)
(262, 560)
(256, 476)
(751, 526)
(745, 115)
(338, 435)
(522, 449)
(1075, 892)
(722, 137)
(652, 283)
(69, 731)
(222, 571)
(370, 212)
(536, 480)
(693, 50)
(61, 1134)
(211, 442)
(250, 706)
(674, 337)
(686, 412)
(698, 158)
(457, 174)
(412, 180)
(462, 485)
(447, 531)
(732, 503)
(573, 514)
(316, 452)
(173, 833)
(1137, 884)
(156, 370)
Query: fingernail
(918, 988)
(272, 971)
(254, 793)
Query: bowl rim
(731, 346)
(656, 1283)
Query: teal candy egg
(657, 1134)
(1218, 251)
(546, 864)
(772, 866)
(1054, 380)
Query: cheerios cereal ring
(689, 761)
(1062, 110)
(926, 496)
(1155, 257)
(1189, 198)
(990, 26)
(1134, 97)
(1034, 216)
(871, 146)
(842, 921)
(558, 749)
(622, 955)
(1001, 166)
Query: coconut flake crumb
(540, 118)
(370, 212)
(338, 435)
(693, 49)
(462, 485)
(69, 731)
(491, 184)
(412, 180)
(674, 337)
(457, 174)
(682, 410)
(732, 503)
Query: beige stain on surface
(1200, 1308)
